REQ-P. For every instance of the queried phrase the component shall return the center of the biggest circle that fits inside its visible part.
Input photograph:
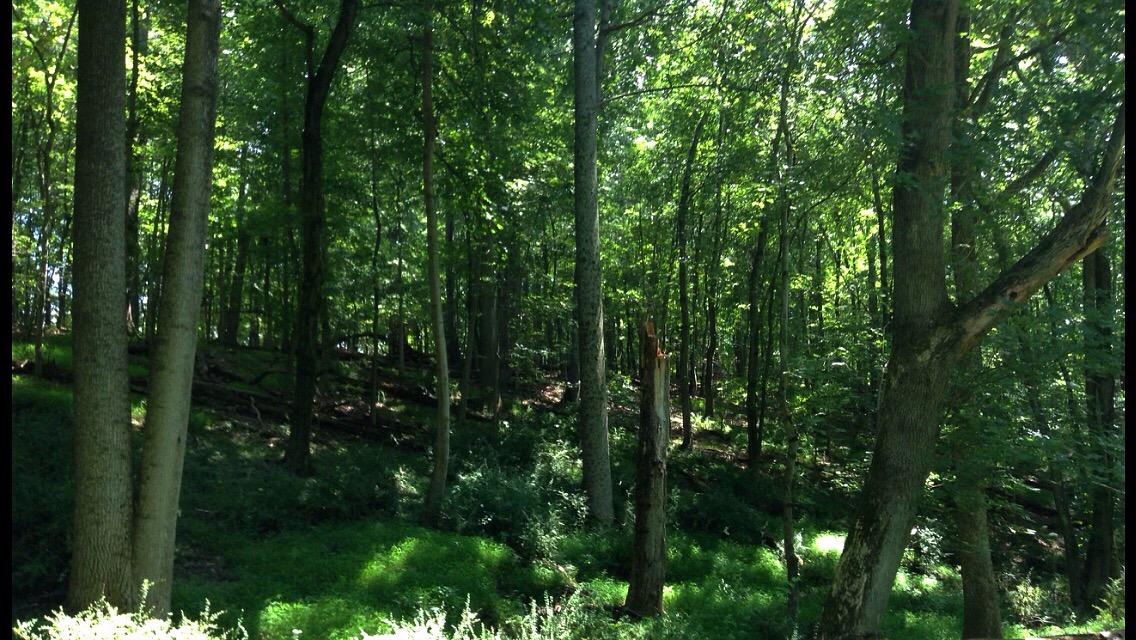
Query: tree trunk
(589, 299)
(981, 617)
(298, 455)
(437, 489)
(171, 378)
(929, 335)
(684, 302)
(101, 523)
(649, 555)
(1100, 391)
(231, 316)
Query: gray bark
(101, 525)
(589, 309)
(171, 377)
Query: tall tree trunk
(298, 455)
(649, 551)
(589, 299)
(231, 316)
(1100, 391)
(101, 523)
(171, 378)
(156, 249)
(930, 335)
(715, 260)
(981, 617)
(437, 489)
(683, 297)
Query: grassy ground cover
(338, 555)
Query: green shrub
(530, 509)
(1111, 607)
(1033, 604)
(102, 621)
(572, 619)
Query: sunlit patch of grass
(828, 543)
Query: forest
(568, 320)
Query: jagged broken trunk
(649, 554)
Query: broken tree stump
(648, 555)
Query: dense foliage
(747, 179)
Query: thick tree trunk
(980, 615)
(929, 336)
(648, 554)
(101, 523)
(684, 381)
(914, 383)
(310, 304)
(1100, 391)
(171, 378)
(437, 489)
(589, 300)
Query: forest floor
(331, 555)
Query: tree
(171, 379)
(649, 552)
(310, 304)
(684, 381)
(437, 489)
(101, 526)
(930, 335)
(592, 412)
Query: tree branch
(1080, 232)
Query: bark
(913, 390)
(589, 309)
(231, 316)
(981, 617)
(100, 557)
(172, 359)
(298, 455)
(648, 554)
(929, 335)
(684, 382)
(437, 489)
(1100, 391)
